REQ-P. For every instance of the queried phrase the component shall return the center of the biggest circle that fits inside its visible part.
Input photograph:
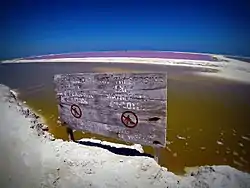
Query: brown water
(208, 119)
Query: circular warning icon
(76, 111)
(129, 119)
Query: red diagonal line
(127, 119)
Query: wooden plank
(127, 106)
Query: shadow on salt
(134, 150)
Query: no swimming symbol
(129, 119)
(76, 111)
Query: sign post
(127, 106)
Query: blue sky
(42, 27)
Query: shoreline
(28, 149)
(225, 68)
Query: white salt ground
(31, 157)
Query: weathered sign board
(127, 106)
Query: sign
(127, 106)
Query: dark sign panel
(128, 106)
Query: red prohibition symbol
(129, 119)
(76, 111)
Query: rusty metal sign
(127, 106)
